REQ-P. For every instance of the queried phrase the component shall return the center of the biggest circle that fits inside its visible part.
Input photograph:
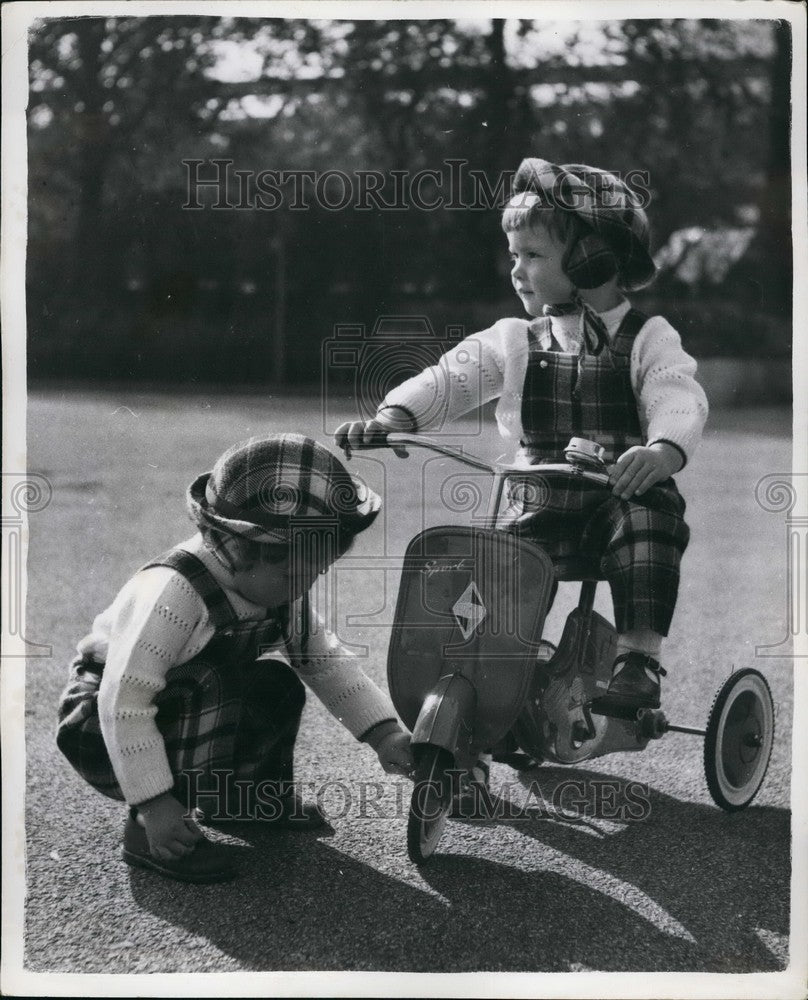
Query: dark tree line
(122, 279)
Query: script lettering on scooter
(433, 567)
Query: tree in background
(118, 103)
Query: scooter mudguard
(472, 602)
(445, 715)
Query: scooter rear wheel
(739, 739)
(430, 804)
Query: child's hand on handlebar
(365, 433)
(639, 468)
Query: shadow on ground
(687, 888)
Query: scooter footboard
(446, 715)
(559, 719)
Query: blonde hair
(535, 212)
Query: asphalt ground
(686, 888)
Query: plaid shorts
(221, 724)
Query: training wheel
(431, 803)
(739, 738)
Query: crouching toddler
(186, 696)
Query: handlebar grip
(379, 440)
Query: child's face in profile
(536, 271)
(271, 584)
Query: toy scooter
(467, 667)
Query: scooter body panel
(472, 602)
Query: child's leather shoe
(634, 683)
(207, 862)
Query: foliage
(120, 271)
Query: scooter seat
(576, 568)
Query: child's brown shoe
(207, 862)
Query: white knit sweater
(157, 621)
(492, 365)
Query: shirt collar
(567, 329)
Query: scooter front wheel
(430, 804)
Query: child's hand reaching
(392, 746)
(170, 834)
(395, 754)
(639, 468)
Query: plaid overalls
(224, 716)
(638, 542)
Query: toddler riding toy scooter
(468, 671)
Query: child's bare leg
(640, 640)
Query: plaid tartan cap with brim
(266, 488)
(600, 199)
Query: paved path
(686, 888)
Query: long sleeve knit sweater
(492, 364)
(157, 621)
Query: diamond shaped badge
(469, 610)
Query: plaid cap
(265, 488)
(604, 203)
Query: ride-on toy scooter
(468, 671)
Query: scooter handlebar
(400, 442)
